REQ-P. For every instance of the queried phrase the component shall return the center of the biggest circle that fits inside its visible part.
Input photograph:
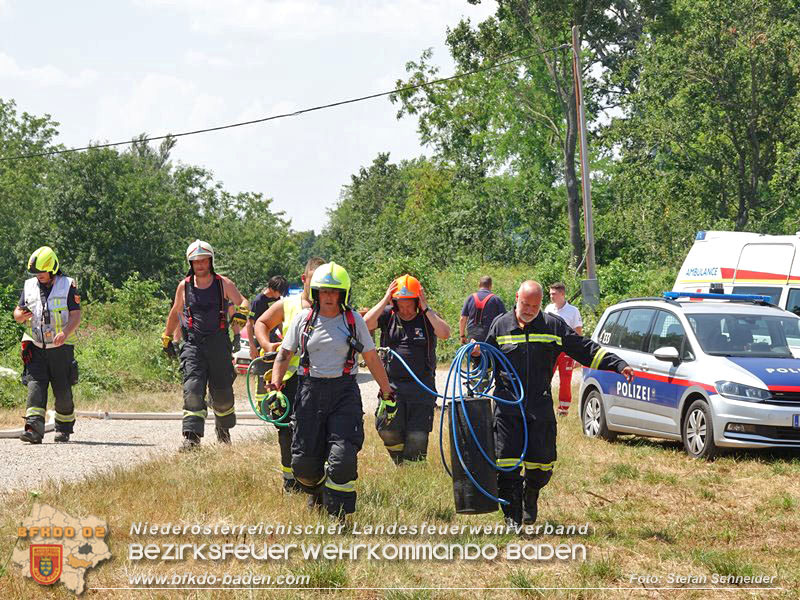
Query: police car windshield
(752, 335)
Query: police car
(712, 370)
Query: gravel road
(98, 445)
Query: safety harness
(479, 304)
(352, 340)
(223, 319)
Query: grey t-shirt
(327, 343)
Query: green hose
(280, 421)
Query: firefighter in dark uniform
(201, 305)
(410, 328)
(51, 307)
(328, 415)
(532, 340)
(278, 317)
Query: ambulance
(735, 262)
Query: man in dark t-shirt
(410, 328)
(201, 306)
(277, 287)
(479, 310)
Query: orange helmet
(407, 287)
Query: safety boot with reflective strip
(34, 427)
(30, 436)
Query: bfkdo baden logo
(61, 548)
(46, 562)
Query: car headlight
(738, 391)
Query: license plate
(796, 421)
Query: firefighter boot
(62, 437)
(190, 441)
(34, 431)
(531, 506)
(513, 510)
(223, 435)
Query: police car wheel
(593, 418)
(698, 431)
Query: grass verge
(639, 498)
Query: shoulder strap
(186, 309)
(223, 317)
(308, 324)
(350, 362)
(479, 305)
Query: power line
(292, 114)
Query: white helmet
(199, 249)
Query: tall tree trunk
(571, 180)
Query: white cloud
(197, 58)
(46, 76)
(318, 18)
(157, 104)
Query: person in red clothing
(559, 306)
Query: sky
(107, 71)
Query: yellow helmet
(331, 276)
(43, 260)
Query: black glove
(169, 347)
(237, 342)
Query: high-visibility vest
(52, 319)
(291, 306)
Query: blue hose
(462, 374)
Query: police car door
(663, 381)
(632, 410)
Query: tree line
(694, 119)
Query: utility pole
(589, 286)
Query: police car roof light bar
(650, 298)
(712, 296)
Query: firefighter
(50, 306)
(280, 314)
(532, 340)
(572, 316)
(200, 304)
(328, 416)
(277, 288)
(479, 311)
(410, 328)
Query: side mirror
(668, 354)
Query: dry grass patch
(643, 501)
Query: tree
(520, 117)
(709, 124)
(26, 223)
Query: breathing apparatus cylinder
(468, 499)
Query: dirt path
(98, 445)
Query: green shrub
(139, 305)
(10, 330)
